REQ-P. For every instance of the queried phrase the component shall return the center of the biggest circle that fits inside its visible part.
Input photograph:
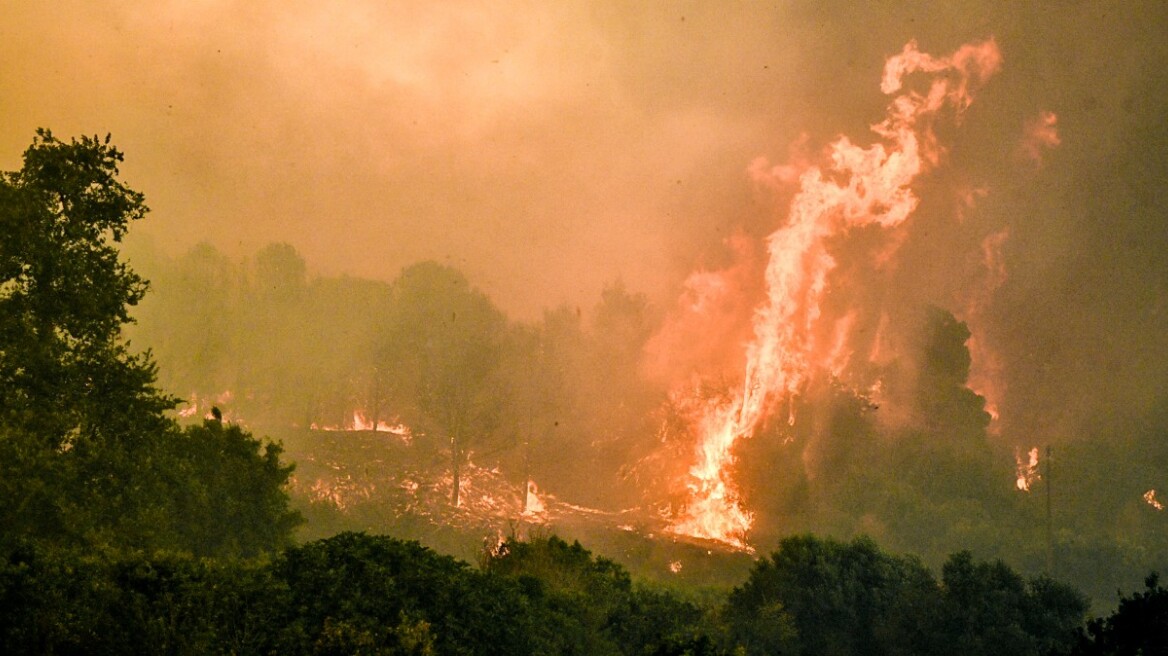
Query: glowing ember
(860, 187)
(1150, 497)
(493, 544)
(1027, 469)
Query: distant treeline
(560, 399)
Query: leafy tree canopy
(87, 455)
(64, 296)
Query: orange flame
(861, 187)
(1040, 134)
(1150, 497)
(533, 505)
(1027, 469)
(201, 406)
(191, 409)
(360, 423)
(985, 377)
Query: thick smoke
(546, 151)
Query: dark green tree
(67, 376)
(230, 498)
(819, 596)
(592, 605)
(1139, 626)
(87, 455)
(443, 345)
(75, 403)
(989, 609)
(355, 593)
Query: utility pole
(1049, 517)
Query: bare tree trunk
(454, 467)
(376, 397)
(526, 473)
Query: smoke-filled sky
(547, 148)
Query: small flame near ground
(1150, 497)
(858, 187)
(201, 405)
(533, 504)
(359, 422)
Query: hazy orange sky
(547, 148)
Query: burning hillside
(751, 347)
(847, 219)
(846, 358)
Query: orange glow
(1150, 497)
(201, 406)
(985, 372)
(858, 187)
(1040, 135)
(839, 354)
(533, 505)
(360, 423)
(191, 409)
(341, 492)
(1027, 469)
(711, 321)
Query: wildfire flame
(1150, 497)
(533, 504)
(200, 406)
(1027, 469)
(340, 492)
(1040, 134)
(985, 377)
(360, 423)
(860, 187)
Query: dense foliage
(356, 593)
(817, 596)
(87, 456)
(1138, 627)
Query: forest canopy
(88, 457)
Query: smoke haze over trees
(546, 153)
(595, 271)
(566, 403)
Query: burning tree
(796, 334)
